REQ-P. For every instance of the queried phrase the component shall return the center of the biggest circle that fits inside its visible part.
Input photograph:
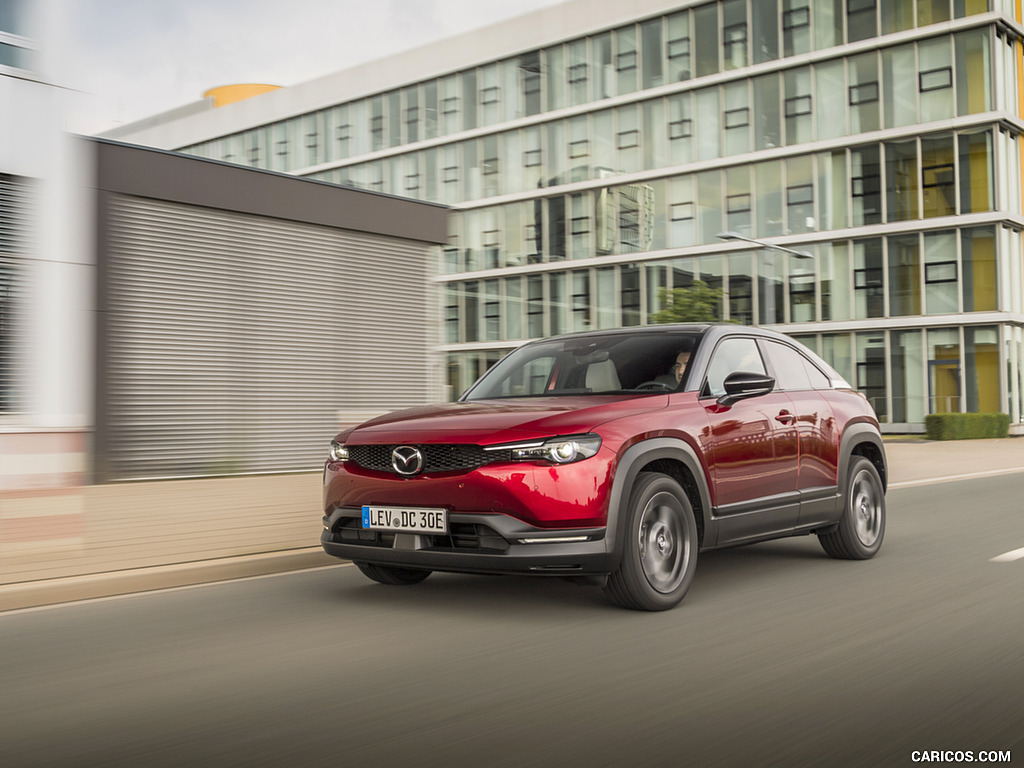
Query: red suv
(616, 456)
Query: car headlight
(557, 450)
(339, 451)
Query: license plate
(406, 519)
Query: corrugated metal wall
(233, 341)
(15, 218)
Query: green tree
(700, 303)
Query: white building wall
(44, 436)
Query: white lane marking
(952, 478)
(1009, 557)
(156, 590)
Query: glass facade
(589, 176)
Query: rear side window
(732, 355)
(792, 370)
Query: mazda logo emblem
(407, 460)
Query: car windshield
(618, 363)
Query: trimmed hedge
(966, 426)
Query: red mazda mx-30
(613, 456)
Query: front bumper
(475, 543)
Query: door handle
(785, 417)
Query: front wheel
(387, 574)
(862, 526)
(659, 551)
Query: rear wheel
(862, 526)
(387, 574)
(659, 551)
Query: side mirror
(743, 384)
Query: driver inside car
(675, 374)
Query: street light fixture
(738, 236)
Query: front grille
(460, 537)
(454, 457)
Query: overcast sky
(135, 58)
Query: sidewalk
(914, 460)
(180, 533)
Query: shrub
(966, 426)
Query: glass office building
(592, 155)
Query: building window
(580, 300)
(529, 80)
(678, 53)
(734, 40)
(867, 277)
(737, 118)
(860, 19)
(580, 225)
(579, 148)
(866, 185)
(940, 272)
(531, 158)
(937, 183)
(282, 147)
(625, 61)
(535, 306)
(344, 132)
(798, 106)
(628, 139)
(489, 95)
(935, 79)
(864, 93)
(796, 18)
(681, 211)
(578, 73)
(737, 203)
(800, 195)
(451, 174)
(678, 48)
(449, 106)
(412, 182)
(680, 129)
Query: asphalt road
(778, 656)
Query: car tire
(396, 577)
(659, 546)
(862, 526)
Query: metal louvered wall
(14, 226)
(232, 341)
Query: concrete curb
(33, 594)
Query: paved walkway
(912, 461)
(916, 461)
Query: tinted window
(730, 356)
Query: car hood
(490, 422)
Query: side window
(732, 355)
(789, 366)
(818, 379)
